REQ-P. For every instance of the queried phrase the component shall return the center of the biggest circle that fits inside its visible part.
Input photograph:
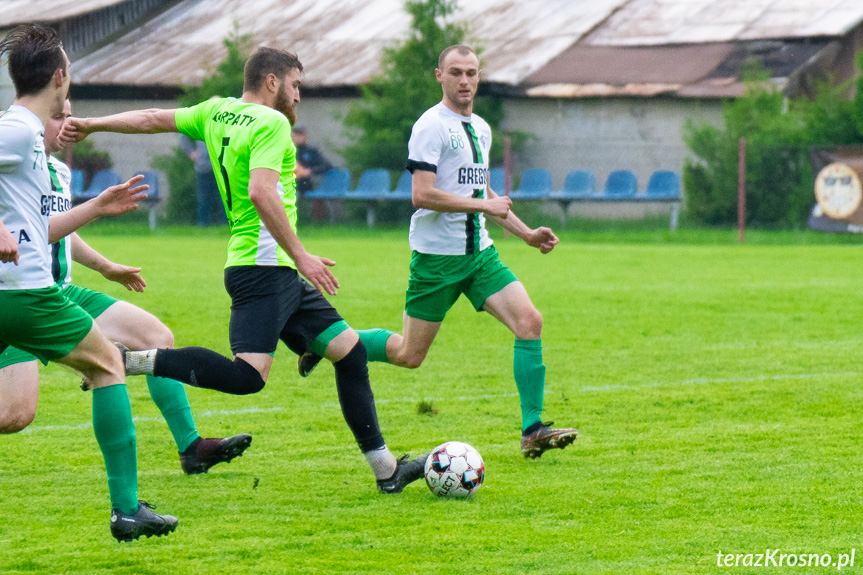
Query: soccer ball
(454, 469)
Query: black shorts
(270, 303)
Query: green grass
(715, 386)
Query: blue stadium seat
(334, 184)
(373, 185)
(535, 184)
(403, 188)
(621, 184)
(151, 179)
(496, 179)
(102, 180)
(578, 184)
(663, 184)
(77, 185)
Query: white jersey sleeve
(25, 188)
(15, 144)
(456, 149)
(424, 147)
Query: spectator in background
(210, 209)
(310, 162)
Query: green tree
(379, 125)
(226, 79)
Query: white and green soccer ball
(454, 469)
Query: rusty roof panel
(18, 11)
(650, 65)
(656, 22)
(339, 41)
(600, 90)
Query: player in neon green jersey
(453, 254)
(36, 317)
(254, 158)
(119, 320)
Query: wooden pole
(741, 191)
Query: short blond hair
(460, 48)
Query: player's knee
(412, 360)
(14, 417)
(529, 325)
(160, 338)
(247, 379)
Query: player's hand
(542, 238)
(316, 270)
(498, 206)
(8, 248)
(125, 275)
(74, 130)
(120, 199)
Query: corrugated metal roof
(693, 70)
(657, 22)
(339, 41)
(568, 46)
(18, 11)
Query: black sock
(357, 400)
(201, 367)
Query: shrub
(780, 134)
(179, 170)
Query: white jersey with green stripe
(24, 199)
(60, 201)
(456, 149)
(242, 137)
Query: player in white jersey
(119, 320)
(37, 317)
(452, 253)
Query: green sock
(115, 433)
(170, 397)
(530, 379)
(375, 341)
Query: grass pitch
(715, 386)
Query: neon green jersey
(242, 137)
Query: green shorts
(437, 282)
(93, 302)
(42, 322)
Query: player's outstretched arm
(425, 196)
(152, 121)
(263, 194)
(114, 201)
(8, 246)
(128, 276)
(541, 238)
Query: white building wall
(603, 135)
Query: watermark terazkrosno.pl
(776, 558)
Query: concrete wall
(637, 134)
(641, 135)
